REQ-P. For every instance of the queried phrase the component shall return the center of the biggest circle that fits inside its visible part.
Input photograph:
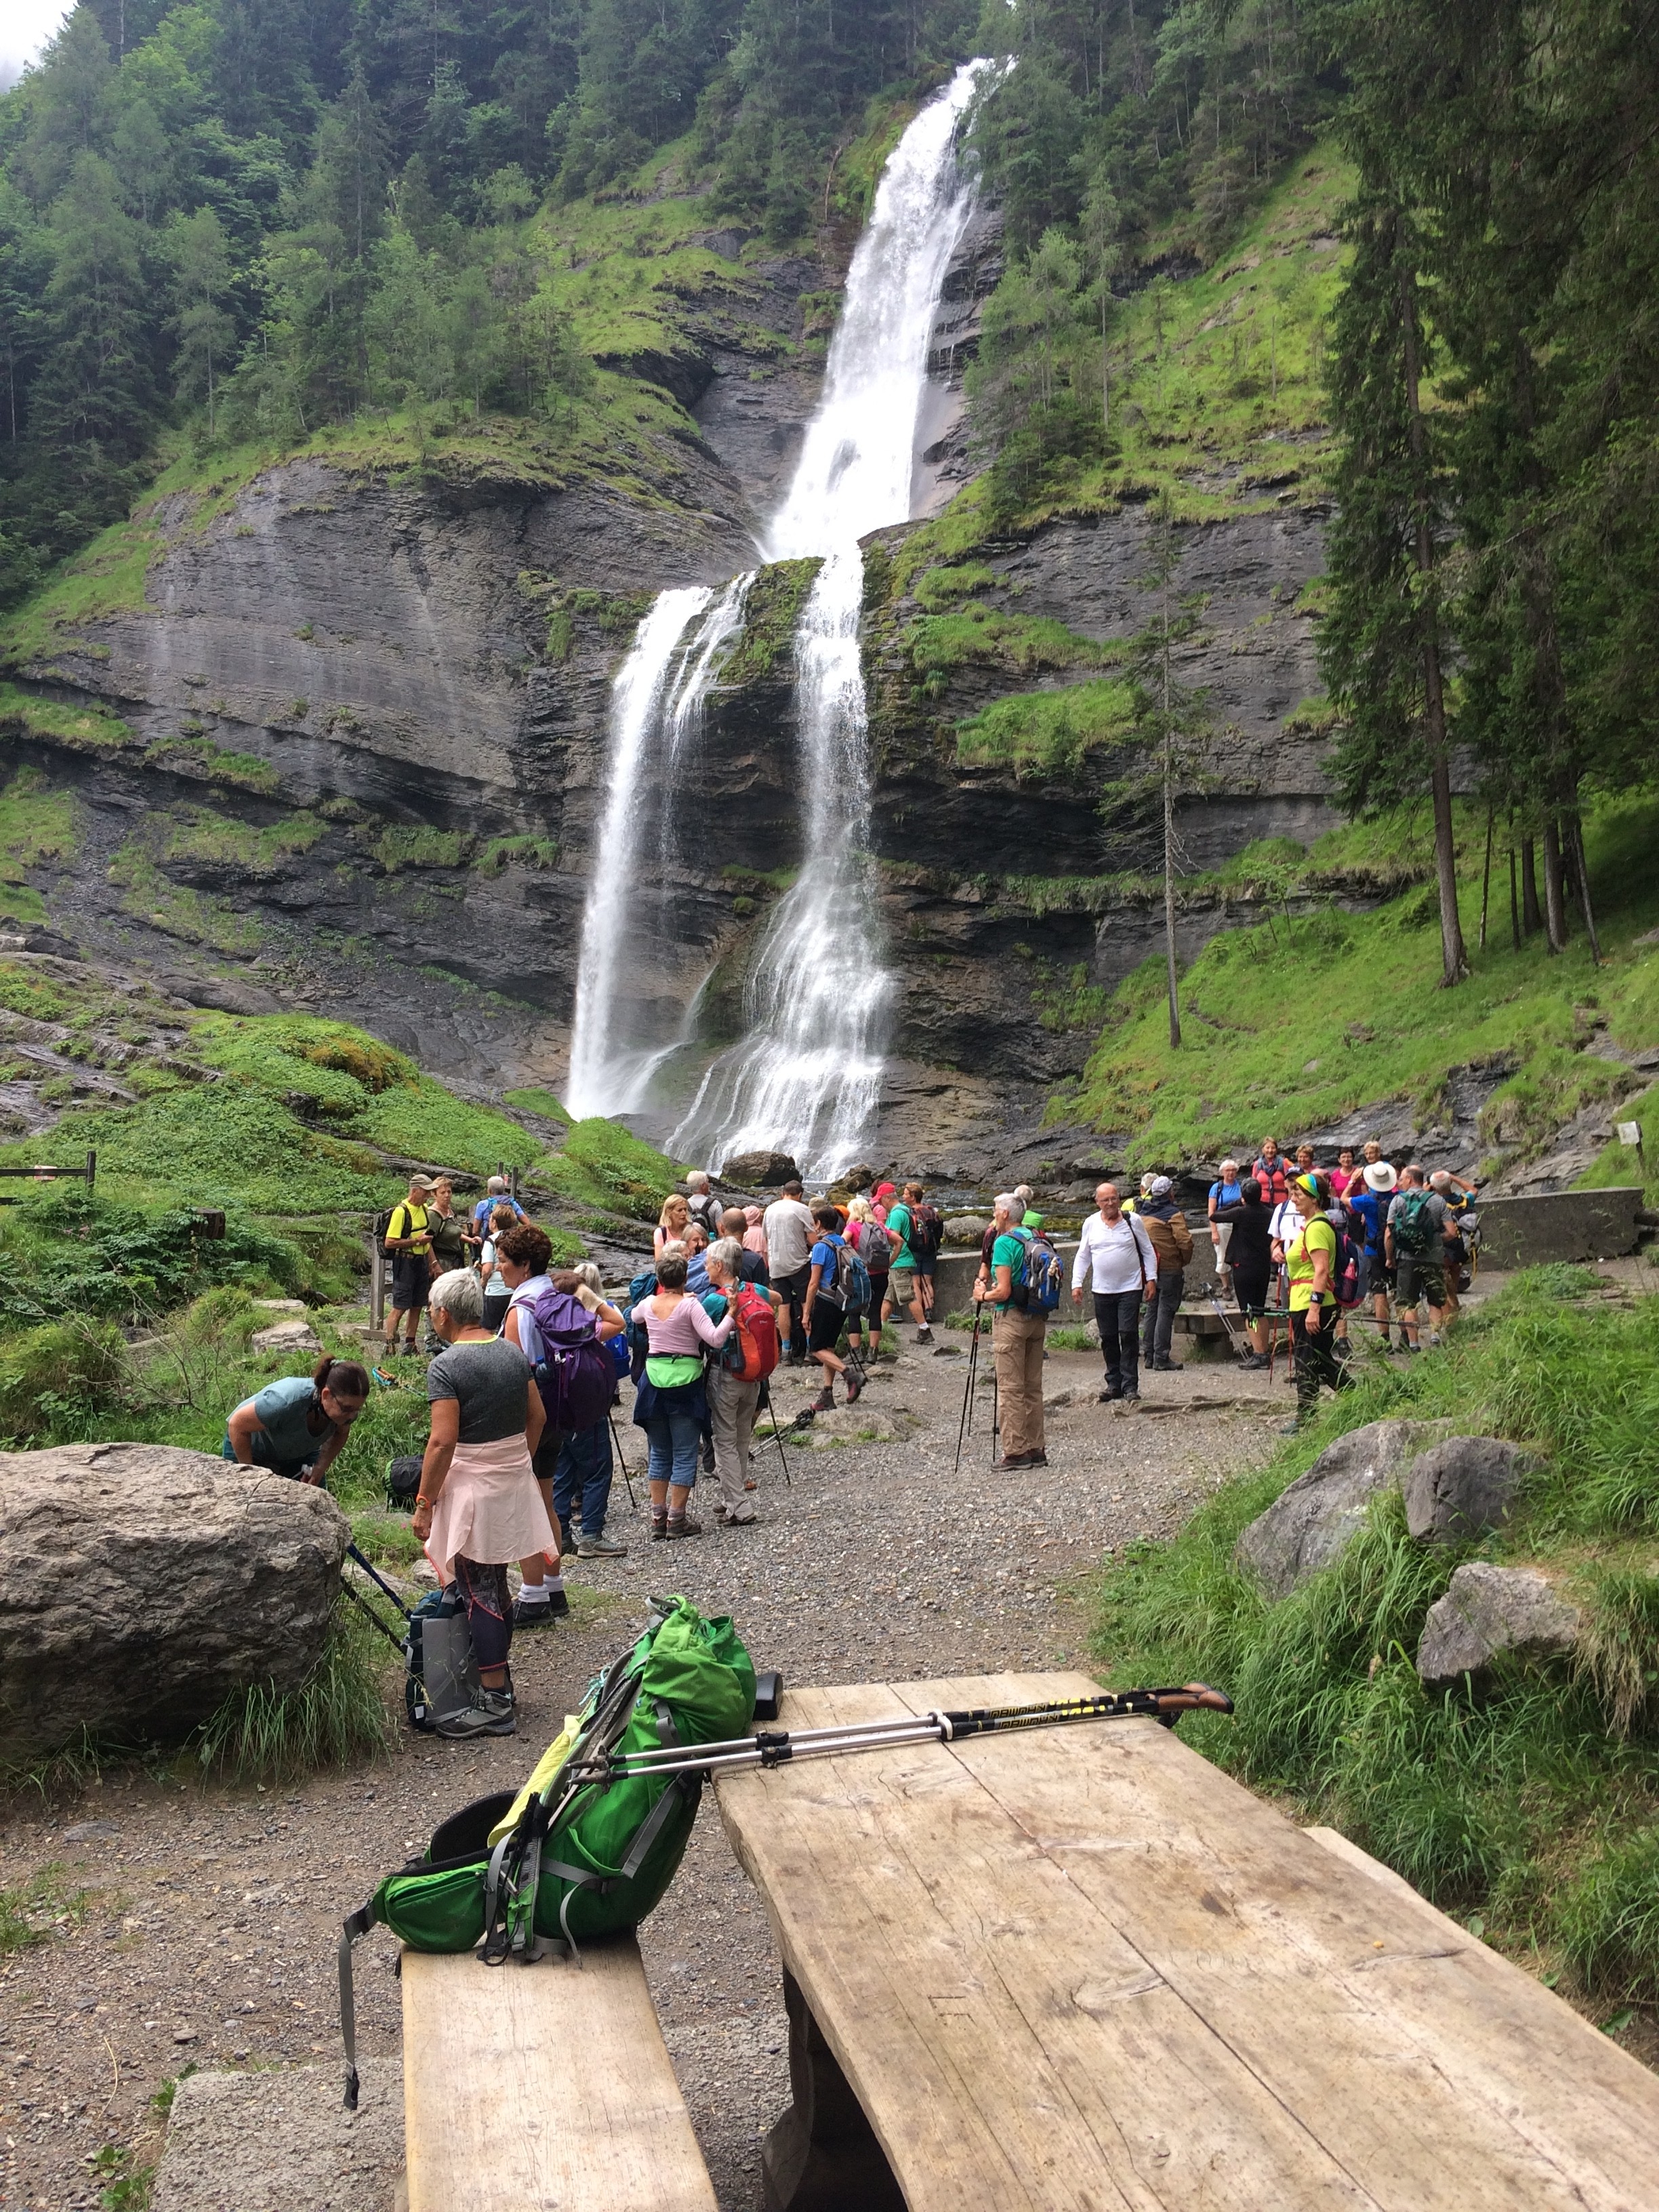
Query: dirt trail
(207, 1932)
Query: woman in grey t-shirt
(478, 1507)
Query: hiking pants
(584, 1464)
(732, 1404)
(1017, 1341)
(489, 1610)
(1116, 1316)
(793, 1290)
(1158, 1328)
(1316, 1358)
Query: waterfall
(616, 1042)
(807, 1076)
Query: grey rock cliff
(140, 1584)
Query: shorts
(1421, 1279)
(1251, 1291)
(902, 1284)
(411, 1283)
(926, 1262)
(828, 1321)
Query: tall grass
(338, 1716)
(1534, 1802)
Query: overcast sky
(25, 27)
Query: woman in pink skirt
(478, 1507)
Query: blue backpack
(852, 1284)
(1037, 1286)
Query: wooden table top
(1081, 1967)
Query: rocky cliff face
(354, 741)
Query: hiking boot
(728, 1519)
(1166, 1366)
(824, 1402)
(1036, 1459)
(682, 1524)
(491, 1713)
(924, 1334)
(560, 1603)
(855, 1388)
(1130, 1397)
(1010, 1466)
(1257, 1361)
(658, 1524)
(534, 1615)
(1109, 1395)
(600, 1548)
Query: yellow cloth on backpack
(546, 1771)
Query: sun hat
(1379, 1177)
(1030, 1221)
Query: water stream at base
(807, 1076)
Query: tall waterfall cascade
(806, 1076)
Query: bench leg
(822, 2156)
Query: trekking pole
(621, 1461)
(777, 1433)
(967, 1394)
(779, 1746)
(375, 1577)
(363, 1606)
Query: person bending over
(297, 1426)
(478, 1507)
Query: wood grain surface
(1080, 1967)
(530, 2088)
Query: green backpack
(570, 1859)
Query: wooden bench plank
(530, 2088)
(1083, 1968)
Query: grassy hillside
(1531, 1807)
(1311, 1013)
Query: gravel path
(198, 1924)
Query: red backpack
(751, 1352)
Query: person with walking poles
(1166, 1226)
(829, 1307)
(1018, 1341)
(670, 1399)
(1117, 1259)
(733, 1401)
(1250, 1263)
(1310, 1259)
(409, 1247)
(789, 1232)
(479, 1507)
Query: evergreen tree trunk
(1555, 902)
(1169, 838)
(1581, 869)
(1531, 919)
(1486, 873)
(1454, 960)
(1515, 907)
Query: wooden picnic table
(1080, 1967)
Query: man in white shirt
(789, 1230)
(1114, 1257)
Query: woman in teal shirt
(297, 1426)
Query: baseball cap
(1381, 1176)
(1162, 1186)
(422, 1182)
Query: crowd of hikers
(526, 1358)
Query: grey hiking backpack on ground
(440, 1676)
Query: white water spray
(656, 699)
(807, 1077)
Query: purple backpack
(575, 1374)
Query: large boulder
(1487, 1611)
(1314, 1520)
(140, 1583)
(1463, 1488)
(759, 1170)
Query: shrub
(1609, 1919)
(56, 1382)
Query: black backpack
(927, 1231)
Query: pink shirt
(676, 1334)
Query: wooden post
(376, 1286)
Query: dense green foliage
(1536, 1804)
(258, 221)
